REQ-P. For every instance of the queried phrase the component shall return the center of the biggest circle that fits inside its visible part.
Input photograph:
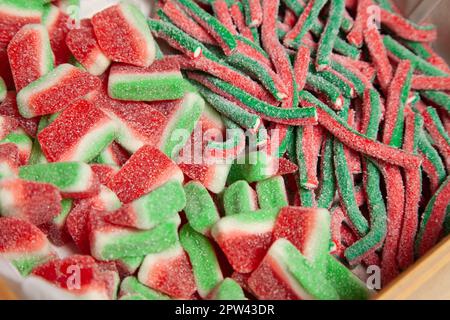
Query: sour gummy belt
(221, 149)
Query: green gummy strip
(313, 282)
(323, 86)
(357, 83)
(272, 193)
(438, 123)
(418, 63)
(64, 175)
(438, 97)
(229, 290)
(203, 259)
(327, 40)
(161, 204)
(343, 87)
(328, 185)
(139, 243)
(260, 106)
(418, 48)
(346, 189)
(347, 285)
(217, 28)
(301, 161)
(433, 156)
(132, 286)
(238, 197)
(200, 210)
(239, 115)
(254, 68)
(289, 139)
(251, 44)
(151, 88)
(174, 33)
(427, 212)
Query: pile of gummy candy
(273, 148)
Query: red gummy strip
(353, 158)
(276, 51)
(363, 70)
(379, 56)
(433, 228)
(249, 51)
(256, 14)
(440, 141)
(227, 74)
(413, 190)
(393, 102)
(180, 19)
(364, 145)
(421, 82)
(301, 65)
(431, 172)
(404, 29)
(395, 209)
(293, 33)
(239, 21)
(220, 8)
(355, 36)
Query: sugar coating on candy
(245, 238)
(23, 143)
(55, 229)
(207, 273)
(104, 172)
(74, 179)
(169, 272)
(53, 91)
(30, 55)
(131, 286)
(239, 197)
(84, 47)
(95, 282)
(113, 154)
(272, 193)
(58, 24)
(23, 244)
(160, 81)
(201, 211)
(151, 209)
(123, 35)
(9, 160)
(145, 171)
(285, 274)
(69, 139)
(228, 289)
(14, 14)
(109, 242)
(7, 124)
(9, 108)
(35, 202)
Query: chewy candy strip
(413, 190)
(239, 197)
(327, 187)
(221, 10)
(329, 35)
(74, 179)
(133, 44)
(37, 203)
(200, 209)
(151, 209)
(355, 36)
(23, 244)
(420, 82)
(306, 157)
(432, 162)
(437, 132)
(350, 137)
(179, 18)
(160, 81)
(286, 274)
(315, 83)
(224, 38)
(85, 49)
(433, 219)
(131, 286)
(440, 98)
(297, 116)
(253, 12)
(145, 171)
(169, 272)
(301, 65)
(406, 29)
(272, 193)
(245, 237)
(53, 91)
(30, 55)
(175, 38)
(237, 13)
(371, 178)
(89, 138)
(207, 272)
